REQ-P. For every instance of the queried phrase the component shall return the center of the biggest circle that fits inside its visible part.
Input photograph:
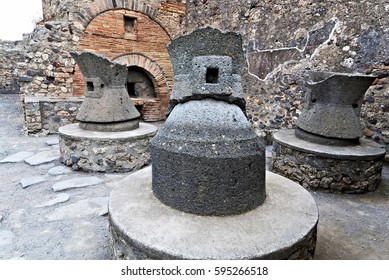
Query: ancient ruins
(207, 161)
(151, 129)
(325, 151)
(108, 136)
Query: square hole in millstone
(212, 75)
(90, 86)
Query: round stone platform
(349, 169)
(105, 151)
(142, 227)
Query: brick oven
(133, 32)
(137, 39)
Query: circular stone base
(105, 151)
(142, 227)
(349, 169)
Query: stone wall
(10, 54)
(283, 38)
(48, 71)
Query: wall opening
(129, 25)
(139, 83)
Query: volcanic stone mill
(207, 194)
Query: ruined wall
(283, 38)
(47, 75)
(10, 54)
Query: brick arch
(161, 84)
(152, 67)
(101, 6)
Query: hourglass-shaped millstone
(332, 109)
(206, 159)
(107, 105)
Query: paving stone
(60, 198)
(26, 182)
(83, 208)
(52, 142)
(76, 183)
(43, 157)
(6, 237)
(18, 157)
(59, 170)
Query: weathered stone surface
(208, 70)
(348, 169)
(59, 170)
(333, 104)
(284, 227)
(26, 182)
(52, 142)
(6, 237)
(60, 198)
(106, 151)
(18, 157)
(206, 160)
(83, 208)
(293, 36)
(106, 99)
(43, 157)
(76, 183)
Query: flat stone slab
(6, 237)
(59, 170)
(366, 150)
(52, 142)
(76, 183)
(285, 223)
(43, 157)
(60, 198)
(83, 208)
(74, 131)
(26, 182)
(18, 157)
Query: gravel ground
(350, 226)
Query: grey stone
(92, 206)
(206, 41)
(59, 170)
(76, 183)
(106, 98)
(6, 237)
(211, 68)
(207, 160)
(18, 157)
(346, 169)
(365, 150)
(43, 157)
(106, 151)
(333, 106)
(26, 182)
(52, 142)
(60, 198)
(284, 224)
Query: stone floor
(48, 211)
